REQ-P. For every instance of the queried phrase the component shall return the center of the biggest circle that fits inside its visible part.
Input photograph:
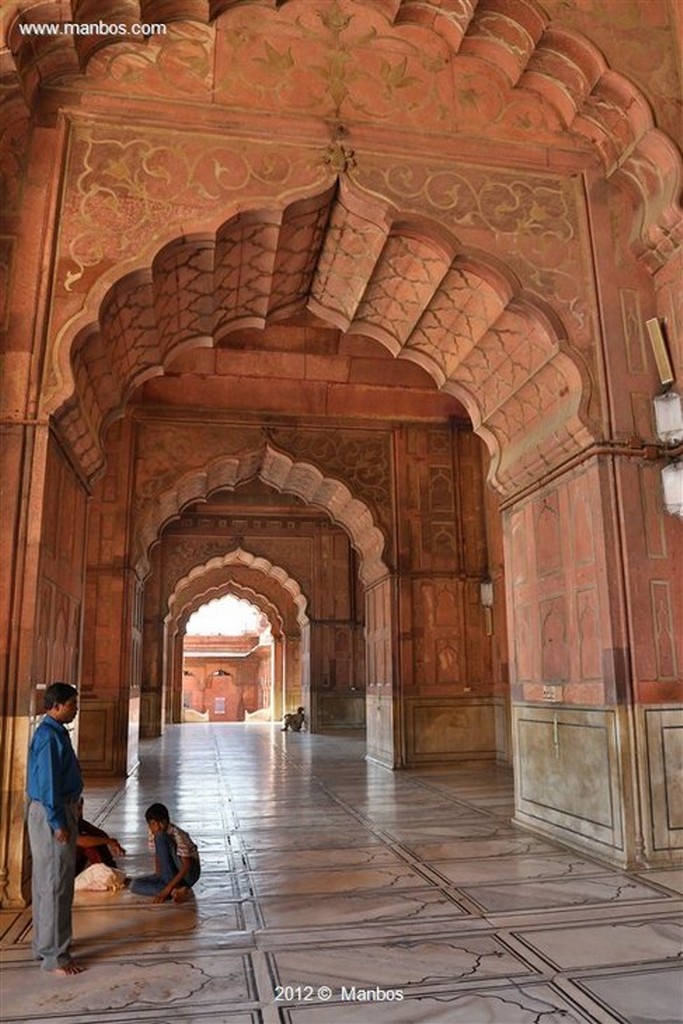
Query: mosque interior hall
(363, 319)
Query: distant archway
(285, 605)
(286, 475)
(227, 661)
(183, 600)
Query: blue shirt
(54, 774)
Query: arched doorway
(466, 324)
(227, 663)
(250, 578)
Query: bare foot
(70, 967)
(180, 894)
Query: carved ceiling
(466, 322)
(416, 62)
(510, 79)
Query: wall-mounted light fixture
(486, 598)
(669, 417)
(672, 480)
(668, 409)
(669, 426)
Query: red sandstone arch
(192, 602)
(185, 597)
(284, 474)
(355, 262)
(514, 44)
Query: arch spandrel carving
(186, 590)
(286, 475)
(537, 80)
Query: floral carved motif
(128, 187)
(532, 222)
(361, 459)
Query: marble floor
(336, 891)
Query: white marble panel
(502, 869)
(528, 1004)
(337, 910)
(516, 845)
(622, 942)
(137, 921)
(336, 880)
(409, 963)
(640, 997)
(456, 829)
(305, 860)
(561, 893)
(671, 878)
(306, 839)
(129, 985)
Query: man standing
(54, 788)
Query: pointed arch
(191, 602)
(179, 602)
(517, 45)
(463, 317)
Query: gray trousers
(53, 886)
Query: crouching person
(176, 856)
(294, 720)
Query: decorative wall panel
(663, 780)
(440, 730)
(568, 774)
(97, 731)
(632, 323)
(57, 638)
(663, 629)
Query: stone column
(153, 633)
(23, 457)
(292, 685)
(590, 622)
(278, 677)
(382, 722)
(27, 245)
(112, 624)
(445, 677)
(44, 624)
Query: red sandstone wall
(56, 649)
(442, 559)
(593, 596)
(240, 689)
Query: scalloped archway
(342, 256)
(218, 590)
(535, 64)
(184, 599)
(208, 580)
(282, 472)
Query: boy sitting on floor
(177, 865)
